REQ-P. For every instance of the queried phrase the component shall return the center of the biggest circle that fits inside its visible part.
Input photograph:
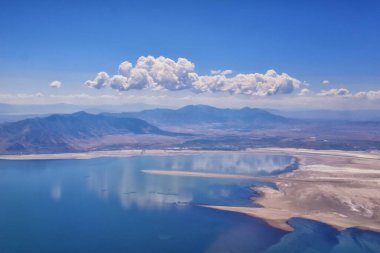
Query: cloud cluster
(335, 92)
(166, 74)
(100, 81)
(342, 92)
(270, 83)
(55, 84)
(326, 82)
(371, 95)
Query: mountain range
(15, 112)
(195, 127)
(204, 114)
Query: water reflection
(134, 189)
(56, 191)
(234, 163)
(123, 178)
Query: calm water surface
(109, 205)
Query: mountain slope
(59, 131)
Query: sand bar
(353, 202)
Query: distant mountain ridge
(60, 108)
(203, 114)
(16, 112)
(342, 115)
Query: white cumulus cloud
(100, 81)
(55, 84)
(335, 92)
(166, 74)
(325, 82)
(270, 83)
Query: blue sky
(71, 41)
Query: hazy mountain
(349, 115)
(15, 112)
(203, 114)
(34, 109)
(61, 131)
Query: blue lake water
(109, 205)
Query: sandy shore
(335, 187)
(338, 188)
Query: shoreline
(98, 154)
(338, 188)
(296, 153)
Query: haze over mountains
(195, 127)
(203, 114)
(15, 112)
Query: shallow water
(109, 205)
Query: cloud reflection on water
(229, 163)
(123, 178)
(134, 190)
(56, 191)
